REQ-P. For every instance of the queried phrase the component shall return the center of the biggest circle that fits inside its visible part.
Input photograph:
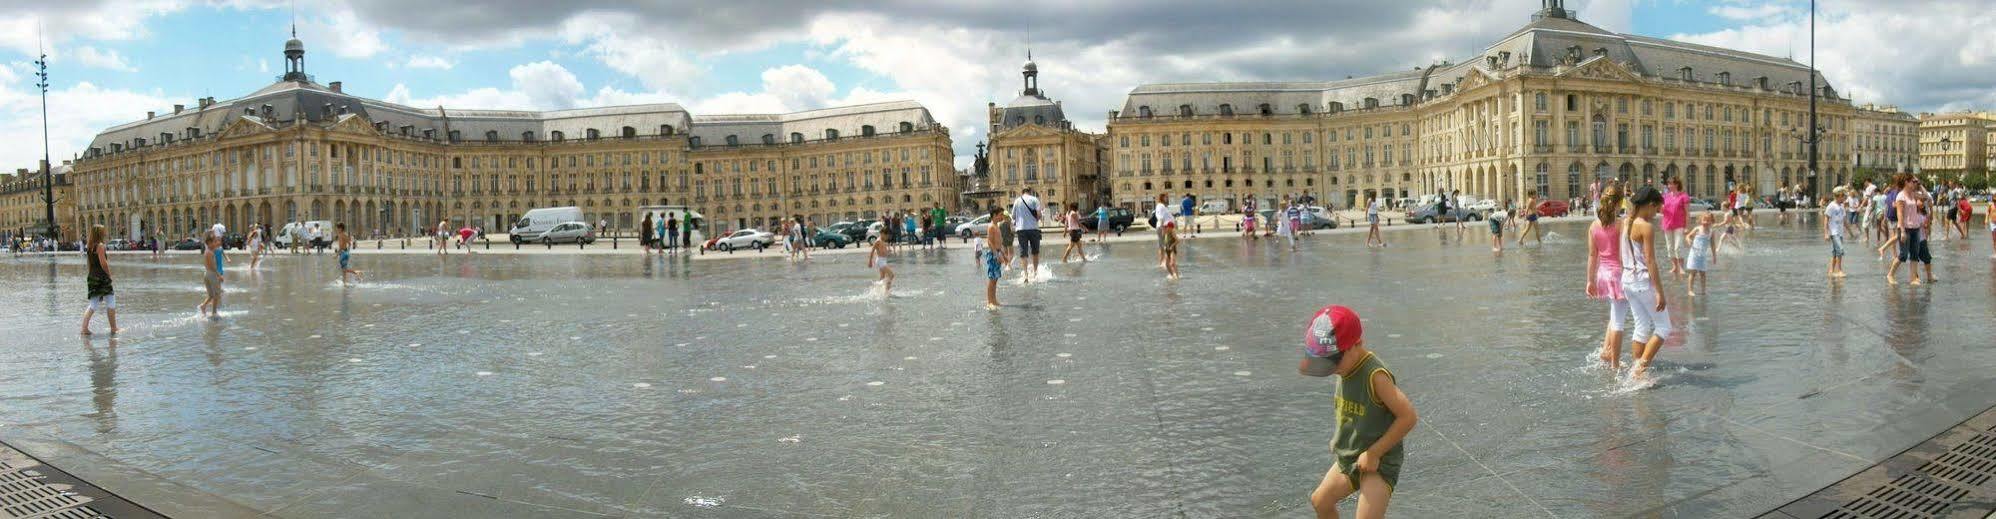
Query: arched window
(831, 134)
(1184, 110)
(1336, 107)
(1544, 179)
(1143, 111)
(556, 136)
(1226, 110)
(491, 136)
(907, 127)
(732, 141)
(866, 130)
(768, 139)
(796, 138)
(1264, 110)
(593, 134)
(630, 133)
(1040, 120)
(526, 136)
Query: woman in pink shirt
(1675, 203)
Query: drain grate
(1929, 490)
(26, 493)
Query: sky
(110, 61)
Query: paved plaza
(590, 385)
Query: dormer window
(1406, 99)
(593, 134)
(1143, 111)
(796, 138)
(1760, 82)
(1303, 109)
(1040, 120)
(831, 134)
(1184, 110)
(1371, 103)
(556, 136)
(454, 137)
(665, 130)
(768, 139)
(630, 133)
(1726, 78)
(1226, 110)
(907, 127)
(526, 136)
(491, 136)
(1335, 107)
(1264, 110)
(1600, 51)
(1684, 73)
(732, 141)
(866, 130)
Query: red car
(1552, 208)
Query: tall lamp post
(48, 178)
(1815, 132)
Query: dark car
(233, 240)
(1120, 219)
(187, 244)
(1428, 214)
(828, 238)
(854, 231)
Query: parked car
(117, 244)
(187, 244)
(1119, 219)
(950, 223)
(539, 220)
(975, 228)
(828, 238)
(1427, 214)
(1697, 205)
(1319, 218)
(1482, 207)
(568, 232)
(1553, 208)
(745, 239)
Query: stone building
(1884, 139)
(22, 211)
(299, 150)
(1954, 145)
(1034, 145)
(1549, 108)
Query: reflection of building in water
(104, 385)
(300, 150)
(1547, 109)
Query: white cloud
(622, 43)
(92, 57)
(55, 24)
(1748, 13)
(546, 84)
(475, 98)
(76, 114)
(431, 62)
(341, 33)
(1936, 57)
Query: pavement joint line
(1784, 437)
(1486, 468)
(307, 495)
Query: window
(1265, 110)
(907, 127)
(630, 133)
(1572, 102)
(1143, 111)
(798, 138)
(1371, 103)
(1226, 110)
(555, 135)
(1539, 101)
(1539, 129)
(1303, 109)
(866, 130)
(831, 134)
(593, 134)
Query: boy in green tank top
(1373, 415)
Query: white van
(530, 226)
(1216, 206)
(680, 213)
(303, 230)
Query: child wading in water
(211, 261)
(876, 259)
(991, 258)
(1604, 271)
(1833, 232)
(1703, 252)
(343, 244)
(1640, 285)
(99, 283)
(1373, 415)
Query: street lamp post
(1815, 132)
(48, 178)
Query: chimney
(335, 86)
(22, 171)
(148, 115)
(178, 108)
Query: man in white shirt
(1026, 224)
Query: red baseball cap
(1334, 329)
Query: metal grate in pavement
(30, 489)
(1951, 475)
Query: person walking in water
(1676, 204)
(1833, 232)
(671, 233)
(1372, 236)
(1101, 223)
(255, 243)
(1702, 252)
(876, 259)
(1072, 223)
(211, 263)
(1912, 210)
(1026, 222)
(1604, 273)
(1373, 415)
(991, 256)
(343, 247)
(1641, 288)
(98, 283)
(442, 236)
(1167, 238)
(1249, 213)
(645, 234)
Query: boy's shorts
(104, 302)
(1836, 246)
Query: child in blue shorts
(990, 254)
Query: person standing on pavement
(671, 232)
(1026, 222)
(1187, 209)
(938, 219)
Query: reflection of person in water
(103, 384)
(1906, 334)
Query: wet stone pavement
(572, 386)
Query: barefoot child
(991, 258)
(99, 282)
(255, 241)
(1703, 250)
(876, 259)
(1641, 287)
(343, 244)
(211, 262)
(1833, 232)
(1373, 415)
(1604, 272)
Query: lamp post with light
(48, 178)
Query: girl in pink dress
(1604, 271)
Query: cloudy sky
(112, 60)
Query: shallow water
(542, 385)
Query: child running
(255, 241)
(211, 262)
(991, 257)
(1703, 251)
(1071, 222)
(1833, 232)
(1604, 272)
(1531, 226)
(98, 283)
(343, 245)
(876, 259)
(1373, 415)
(1640, 286)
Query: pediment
(1600, 67)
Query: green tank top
(1362, 419)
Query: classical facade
(22, 212)
(1034, 145)
(1955, 144)
(1884, 139)
(299, 150)
(1549, 108)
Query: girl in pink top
(1675, 204)
(1604, 271)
